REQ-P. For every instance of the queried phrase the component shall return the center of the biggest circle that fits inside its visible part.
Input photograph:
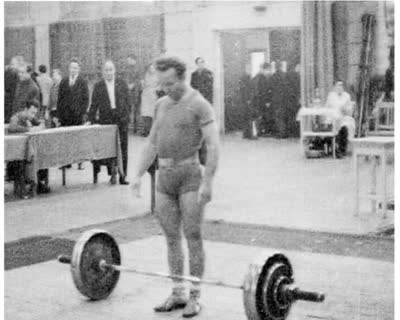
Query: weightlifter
(183, 119)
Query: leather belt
(170, 162)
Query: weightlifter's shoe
(193, 306)
(173, 302)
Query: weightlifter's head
(171, 72)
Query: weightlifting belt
(170, 162)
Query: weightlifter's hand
(205, 192)
(135, 185)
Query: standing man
(135, 89)
(280, 100)
(183, 119)
(26, 90)
(11, 79)
(259, 100)
(45, 83)
(202, 80)
(56, 76)
(111, 99)
(294, 95)
(73, 98)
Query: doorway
(242, 53)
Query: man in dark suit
(280, 100)
(111, 99)
(73, 98)
(202, 80)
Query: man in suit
(202, 80)
(73, 98)
(111, 99)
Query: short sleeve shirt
(177, 128)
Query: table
(15, 147)
(61, 146)
(306, 117)
(379, 148)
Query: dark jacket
(101, 103)
(27, 90)
(260, 94)
(72, 101)
(202, 80)
(10, 86)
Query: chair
(384, 118)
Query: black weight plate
(92, 281)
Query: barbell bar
(268, 287)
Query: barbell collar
(294, 293)
(64, 259)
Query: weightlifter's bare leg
(192, 219)
(169, 217)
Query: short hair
(109, 61)
(42, 68)
(197, 59)
(74, 60)
(165, 63)
(32, 102)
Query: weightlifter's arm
(211, 138)
(146, 158)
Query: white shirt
(72, 80)
(111, 92)
(342, 108)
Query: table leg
(375, 160)
(113, 171)
(357, 176)
(153, 190)
(384, 185)
(334, 146)
(63, 176)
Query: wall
(192, 30)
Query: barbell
(268, 286)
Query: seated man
(341, 105)
(25, 121)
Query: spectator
(245, 98)
(110, 98)
(26, 90)
(25, 121)
(279, 100)
(73, 98)
(340, 103)
(294, 101)
(45, 84)
(149, 98)
(56, 75)
(259, 99)
(132, 78)
(202, 80)
(11, 80)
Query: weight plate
(92, 281)
(258, 282)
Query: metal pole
(103, 265)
